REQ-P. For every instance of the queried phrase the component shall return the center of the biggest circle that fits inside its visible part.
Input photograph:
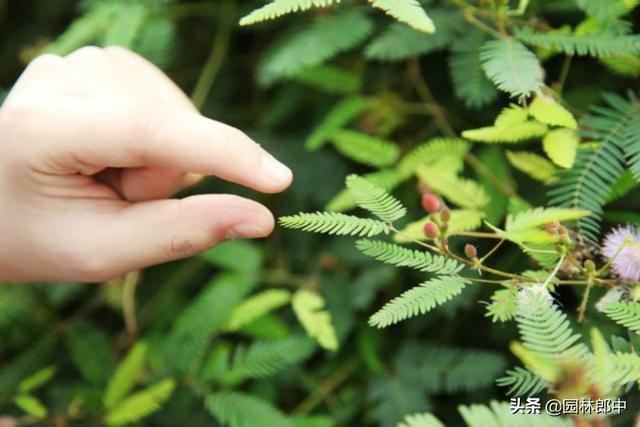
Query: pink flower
(623, 245)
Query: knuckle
(90, 268)
(87, 51)
(44, 62)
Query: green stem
(216, 57)
(585, 299)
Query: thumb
(148, 233)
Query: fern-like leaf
(546, 110)
(330, 78)
(499, 414)
(278, 8)
(436, 152)
(84, 30)
(374, 199)
(399, 41)
(600, 45)
(257, 306)
(538, 217)
(561, 145)
(407, 11)
(533, 165)
(125, 376)
(522, 382)
(90, 351)
(632, 145)
(511, 66)
(265, 358)
(418, 300)
(309, 308)
(421, 420)
(403, 257)
(504, 304)
(387, 179)
(625, 313)
(328, 37)
(339, 116)
(587, 185)
(545, 329)
(140, 404)
(365, 149)
(234, 409)
(470, 83)
(335, 223)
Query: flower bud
(470, 250)
(430, 230)
(430, 202)
(445, 214)
(552, 227)
(590, 266)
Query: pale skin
(92, 146)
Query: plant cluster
(485, 151)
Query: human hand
(91, 146)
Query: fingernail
(246, 230)
(275, 170)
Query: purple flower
(623, 246)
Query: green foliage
(329, 36)
(257, 306)
(561, 146)
(125, 375)
(31, 405)
(335, 223)
(418, 300)
(407, 11)
(522, 382)
(374, 199)
(365, 149)
(141, 404)
(400, 41)
(512, 125)
(241, 410)
(545, 329)
(421, 420)
(625, 313)
(500, 415)
(188, 339)
(330, 79)
(266, 358)
(278, 8)
(533, 165)
(37, 379)
(90, 351)
(504, 304)
(339, 116)
(545, 110)
(470, 83)
(460, 191)
(594, 45)
(403, 257)
(587, 184)
(308, 306)
(511, 66)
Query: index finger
(111, 134)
